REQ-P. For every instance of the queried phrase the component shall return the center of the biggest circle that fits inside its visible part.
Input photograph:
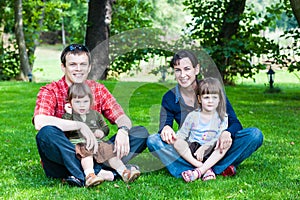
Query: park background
(270, 173)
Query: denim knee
(253, 136)
(152, 141)
(139, 132)
(257, 137)
(46, 132)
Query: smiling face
(185, 73)
(81, 105)
(77, 68)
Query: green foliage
(53, 12)
(169, 16)
(270, 173)
(284, 16)
(37, 17)
(9, 66)
(289, 55)
(133, 37)
(233, 55)
(138, 17)
(124, 52)
(162, 70)
(7, 15)
(75, 19)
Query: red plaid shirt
(51, 100)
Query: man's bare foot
(106, 175)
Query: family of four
(71, 129)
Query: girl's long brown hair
(212, 85)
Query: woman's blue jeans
(246, 142)
(58, 153)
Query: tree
(97, 39)
(102, 26)
(128, 31)
(229, 28)
(295, 4)
(74, 15)
(36, 16)
(9, 57)
(25, 67)
(288, 53)
(230, 33)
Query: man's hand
(224, 141)
(122, 147)
(168, 135)
(99, 133)
(91, 142)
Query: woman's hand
(168, 135)
(91, 141)
(224, 141)
(122, 147)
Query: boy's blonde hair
(79, 90)
(211, 85)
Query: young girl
(81, 99)
(196, 140)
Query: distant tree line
(228, 30)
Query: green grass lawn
(270, 173)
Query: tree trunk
(63, 33)
(295, 4)
(97, 39)
(1, 43)
(229, 28)
(37, 32)
(25, 67)
(232, 18)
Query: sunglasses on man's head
(79, 47)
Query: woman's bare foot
(106, 175)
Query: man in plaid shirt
(56, 151)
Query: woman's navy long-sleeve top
(174, 108)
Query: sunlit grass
(270, 173)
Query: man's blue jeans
(58, 153)
(246, 142)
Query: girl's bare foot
(106, 175)
(198, 164)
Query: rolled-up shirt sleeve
(51, 99)
(45, 103)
